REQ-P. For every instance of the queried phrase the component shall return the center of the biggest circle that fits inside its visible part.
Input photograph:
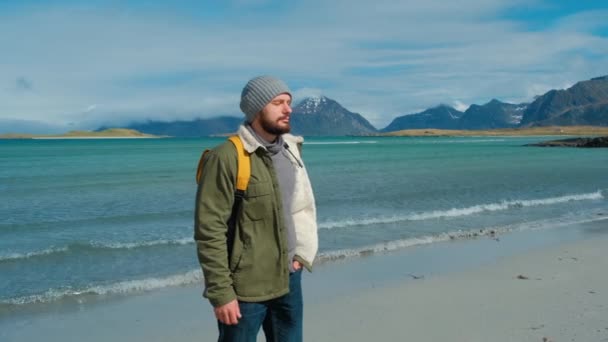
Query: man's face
(274, 117)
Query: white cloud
(460, 106)
(90, 108)
(306, 92)
(381, 59)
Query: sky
(84, 64)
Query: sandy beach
(544, 285)
(556, 294)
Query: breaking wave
(123, 287)
(457, 212)
(448, 236)
(89, 246)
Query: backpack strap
(242, 180)
(244, 166)
(199, 168)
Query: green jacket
(248, 260)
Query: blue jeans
(281, 318)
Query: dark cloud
(23, 83)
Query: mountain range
(192, 128)
(585, 103)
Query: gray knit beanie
(258, 92)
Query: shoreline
(549, 131)
(90, 137)
(79, 137)
(110, 133)
(503, 132)
(470, 283)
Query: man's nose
(287, 108)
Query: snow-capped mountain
(324, 116)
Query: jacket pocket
(257, 203)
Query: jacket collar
(250, 143)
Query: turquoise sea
(83, 219)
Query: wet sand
(555, 294)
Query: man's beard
(273, 127)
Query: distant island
(110, 133)
(527, 131)
(575, 142)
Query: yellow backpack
(243, 166)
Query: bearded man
(253, 246)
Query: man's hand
(229, 313)
(296, 265)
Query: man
(252, 249)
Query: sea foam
(119, 288)
(457, 212)
(491, 232)
(94, 245)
